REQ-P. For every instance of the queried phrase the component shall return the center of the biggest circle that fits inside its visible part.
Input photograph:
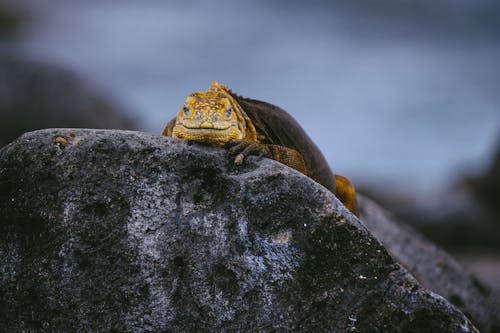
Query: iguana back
(276, 126)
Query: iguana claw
(242, 149)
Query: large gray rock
(433, 267)
(114, 231)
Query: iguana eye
(228, 111)
(186, 110)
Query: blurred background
(402, 96)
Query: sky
(400, 93)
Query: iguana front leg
(240, 149)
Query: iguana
(246, 126)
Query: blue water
(405, 94)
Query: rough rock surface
(114, 231)
(433, 267)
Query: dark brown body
(276, 126)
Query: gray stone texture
(433, 267)
(116, 231)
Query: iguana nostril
(199, 115)
(215, 116)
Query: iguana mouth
(215, 136)
(203, 127)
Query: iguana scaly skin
(246, 126)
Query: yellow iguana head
(213, 117)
